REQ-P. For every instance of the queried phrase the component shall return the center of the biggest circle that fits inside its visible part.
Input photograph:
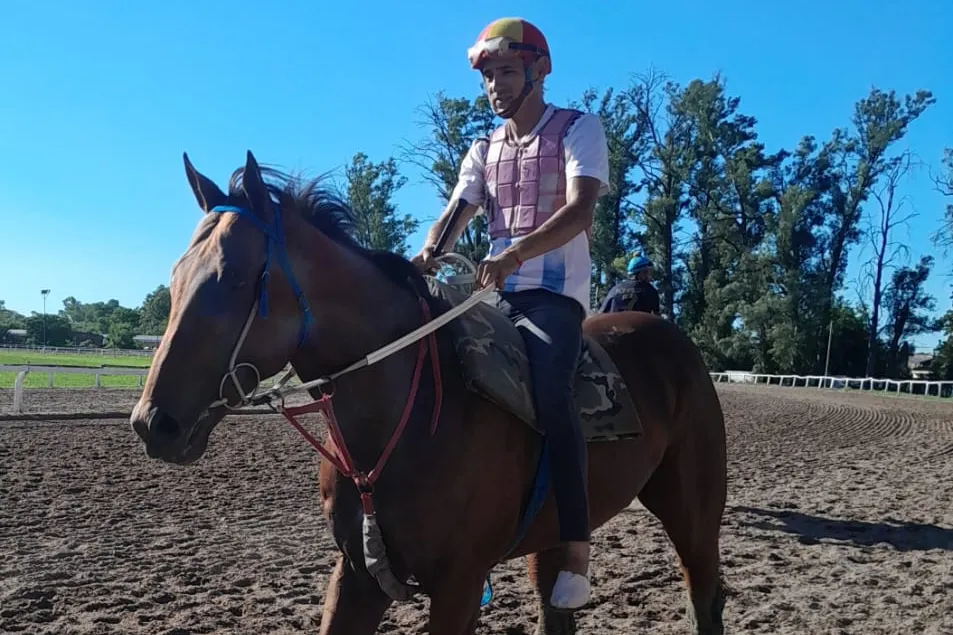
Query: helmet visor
(497, 46)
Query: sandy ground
(839, 520)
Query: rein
(338, 454)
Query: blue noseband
(275, 244)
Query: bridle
(274, 244)
(337, 453)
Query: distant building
(88, 339)
(14, 336)
(919, 365)
(148, 342)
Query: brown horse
(273, 274)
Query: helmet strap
(518, 102)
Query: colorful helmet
(508, 36)
(639, 263)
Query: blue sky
(100, 99)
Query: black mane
(330, 214)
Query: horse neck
(357, 314)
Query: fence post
(18, 391)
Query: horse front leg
(354, 604)
(455, 605)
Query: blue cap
(638, 263)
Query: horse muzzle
(167, 439)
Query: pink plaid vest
(526, 183)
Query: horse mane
(329, 213)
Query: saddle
(495, 366)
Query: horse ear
(254, 186)
(207, 194)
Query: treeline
(751, 245)
(95, 324)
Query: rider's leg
(551, 326)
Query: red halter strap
(344, 463)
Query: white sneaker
(571, 591)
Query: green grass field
(40, 379)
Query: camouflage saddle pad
(494, 365)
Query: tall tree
(731, 201)
(452, 126)
(859, 159)
(791, 307)
(154, 314)
(944, 185)
(370, 191)
(880, 228)
(614, 235)
(909, 307)
(664, 172)
(942, 364)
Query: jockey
(538, 177)
(636, 293)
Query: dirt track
(840, 520)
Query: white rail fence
(77, 350)
(99, 373)
(907, 386)
(21, 372)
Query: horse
(273, 276)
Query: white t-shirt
(568, 269)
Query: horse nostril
(163, 425)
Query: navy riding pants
(551, 326)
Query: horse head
(271, 265)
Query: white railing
(930, 388)
(908, 386)
(98, 372)
(78, 350)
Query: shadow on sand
(901, 535)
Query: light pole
(827, 360)
(44, 293)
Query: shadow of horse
(901, 535)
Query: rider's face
(503, 79)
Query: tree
(453, 125)
(370, 190)
(858, 160)
(944, 185)
(154, 313)
(730, 196)
(613, 235)
(908, 305)
(664, 171)
(848, 339)
(942, 364)
(9, 320)
(791, 306)
(879, 231)
(58, 329)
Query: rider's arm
(468, 212)
(587, 178)
(470, 188)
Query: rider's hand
(425, 260)
(495, 270)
